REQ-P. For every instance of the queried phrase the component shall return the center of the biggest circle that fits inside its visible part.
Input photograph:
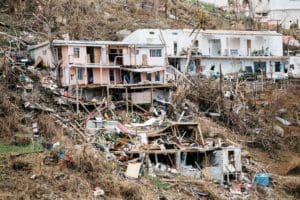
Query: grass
(158, 183)
(13, 149)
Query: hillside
(64, 161)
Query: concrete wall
(44, 53)
(140, 56)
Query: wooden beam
(77, 96)
(201, 135)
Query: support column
(151, 96)
(127, 106)
(178, 161)
(107, 92)
(77, 96)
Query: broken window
(80, 74)
(76, 52)
(155, 53)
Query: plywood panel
(97, 55)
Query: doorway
(90, 55)
(90, 74)
(249, 46)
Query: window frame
(80, 74)
(155, 53)
(76, 54)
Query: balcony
(231, 52)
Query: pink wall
(98, 78)
(73, 76)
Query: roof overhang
(144, 69)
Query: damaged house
(176, 148)
(232, 52)
(135, 72)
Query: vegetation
(158, 183)
(16, 149)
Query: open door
(90, 74)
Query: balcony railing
(231, 52)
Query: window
(76, 52)
(111, 75)
(151, 33)
(155, 52)
(58, 52)
(249, 69)
(277, 67)
(196, 43)
(80, 74)
(148, 76)
(137, 52)
(44, 52)
(157, 76)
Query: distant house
(232, 51)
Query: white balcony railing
(231, 52)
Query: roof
(159, 36)
(32, 47)
(96, 43)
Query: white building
(287, 12)
(232, 51)
(281, 12)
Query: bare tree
(48, 12)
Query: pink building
(104, 62)
(134, 72)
